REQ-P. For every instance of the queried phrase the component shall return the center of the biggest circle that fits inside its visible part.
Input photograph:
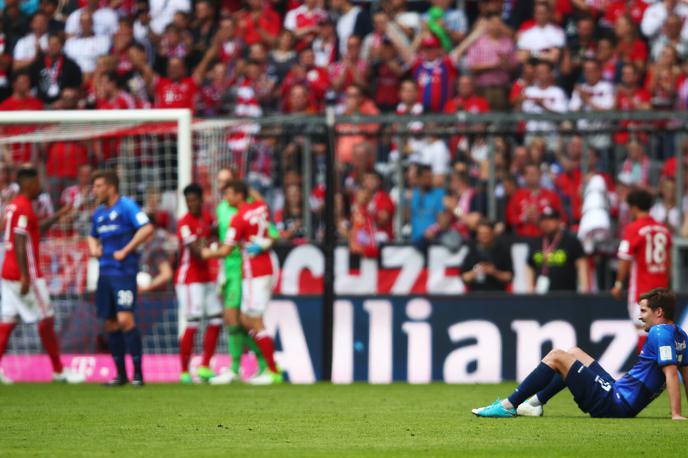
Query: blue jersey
(665, 345)
(115, 227)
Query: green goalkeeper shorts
(231, 291)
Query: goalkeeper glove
(253, 249)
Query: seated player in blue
(594, 390)
(119, 227)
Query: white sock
(506, 404)
(534, 401)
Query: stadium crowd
(258, 57)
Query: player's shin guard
(135, 348)
(46, 329)
(5, 332)
(212, 332)
(235, 342)
(118, 350)
(186, 346)
(534, 382)
(267, 348)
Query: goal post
(101, 122)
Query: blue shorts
(115, 294)
(593, 390)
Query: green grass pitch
(318, 420)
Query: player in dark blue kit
(119, 227)
(594, 390)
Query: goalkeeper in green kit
(229, 282)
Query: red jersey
(189, 229)
(381, 201)
(647, 244)
(626, 101)
(473, 104)
(181, 94)
(251, 222)
(21, 219)
(517, 209)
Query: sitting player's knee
(574, 351)
(553, 355)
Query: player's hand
(678, 417)
(97, 252)
(206, 253)
(617, 292)
(119, 255)
(25, 283)
(253, 249)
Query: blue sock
(536, 380)
(555, 386)
(117, 349)
(135, 348)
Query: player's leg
(35, 306)
(555, 362)
(8, 320)
(213, 312)
(255, 299)
(106, 310)
(126, 295)
(231, 296)
(186, 342)
(533, 406)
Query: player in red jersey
(249, 230)
(196, 292)
(24, 290)
(645, 251)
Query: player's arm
(45, 224)
(139, 237)
(20, 251)
(582, 271)
(221, 251)
(95, 249)
(673, 390)
(165, 274)
(621, 274)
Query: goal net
(156, 154)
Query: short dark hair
(193, 189)
(237, 186)
(109, 175)
(641, 199)
(662, 298)
(422, 168)
(26, 173)
(486, 222)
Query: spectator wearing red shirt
(386, 72)
(65, 157)
(630, 97)
(176, 90)
(305, 72)
(526, 79)
(381, 207)
(109, 96)
(527, 203)
(303, 22)
(259, 23)
(468, 102)
(21, 99)
(351, 69)
(629, 47)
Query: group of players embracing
(238, 298)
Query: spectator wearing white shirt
(594, 94)
(655, 16)
(544, 40)
(303, 21)
(85, 48)
(104, 20)
(352, 21)
(433, 152)
(670, 36)
(544, 97)
(162, 13)
(25, 50)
